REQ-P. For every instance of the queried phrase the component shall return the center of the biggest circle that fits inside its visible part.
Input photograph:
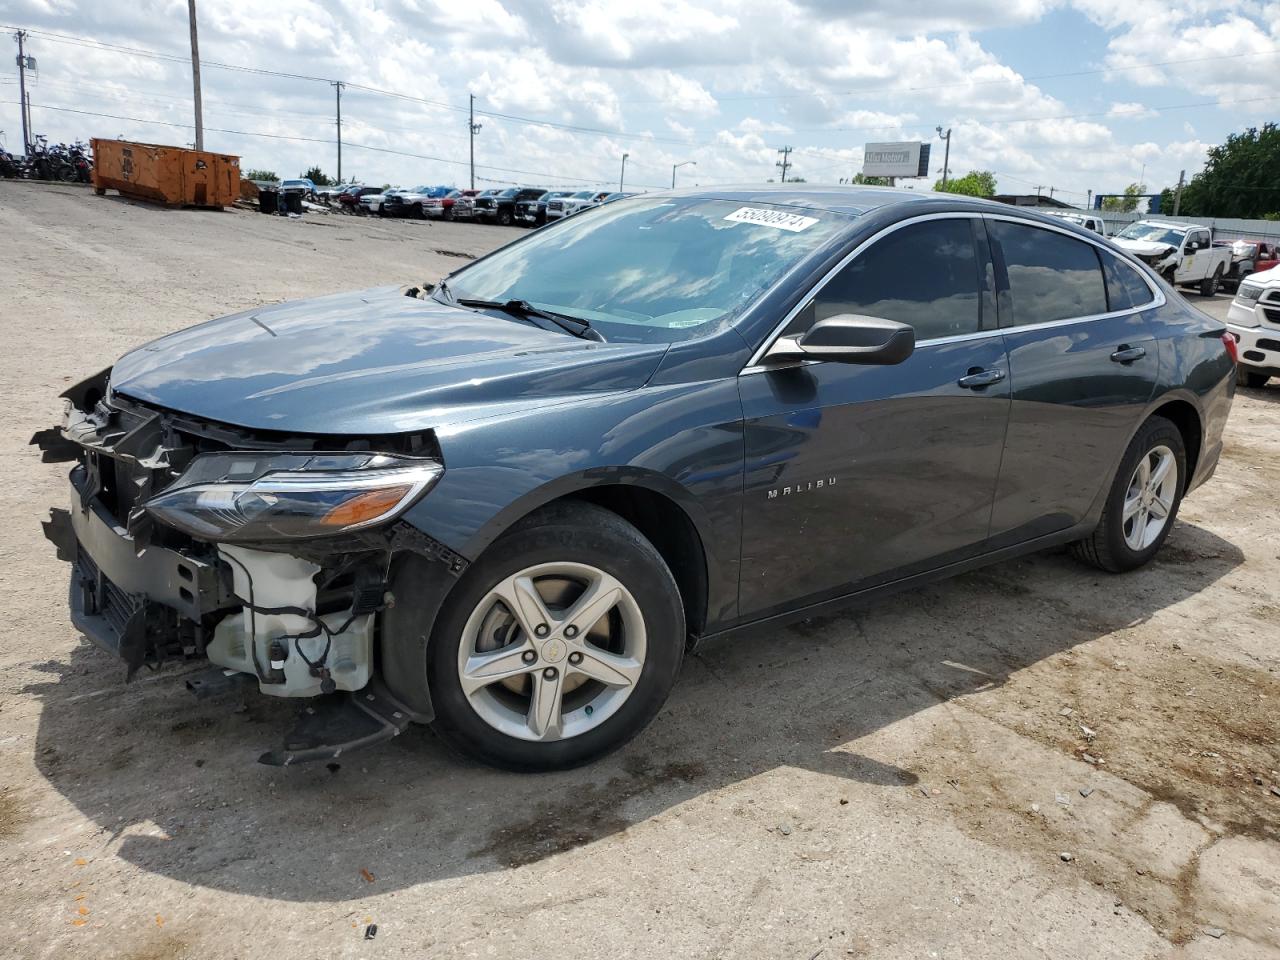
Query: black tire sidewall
(608, 543)
(1155, 432)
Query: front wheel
(504, 218)
(1142, 503)
(1250, 378)
(560, 644)
(1209, 285)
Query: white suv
(1254, 320)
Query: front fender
(681, 441)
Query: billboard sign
(910, 159)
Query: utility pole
(1038, 189)
(1177, 197)
(784, 162)
(472, 129)
(337, 89)
(195, 73)
(1088, 204)
(622, 179)
(946, 155)
(23, 109)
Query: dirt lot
(1031, 761)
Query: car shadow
(174, 779)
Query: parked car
(1089, 221)
(1253, 319)
(557, 206)
(1247, 257)
(504, 506)
(1184, 255)
(412, 202)
(373, 202)
(299, 185)
(349, 199)
(442, 207)
(579, 202)
(500, 206)
(464, 207)
(533, 211)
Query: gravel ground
(1036, 760)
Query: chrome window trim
(753, 365)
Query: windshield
(1152, 232)
(651, 269)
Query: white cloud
(1131, 111)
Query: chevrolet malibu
(505, 504)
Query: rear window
(1051, 276)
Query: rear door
(856, 475)
(1083, 366)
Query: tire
(496, 724)
(418, 213)
(447, 213)
(504, 218)
(1209, 285)
(1110, 546)
(1251, 379)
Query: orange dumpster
(170, 175)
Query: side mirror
(850, 338)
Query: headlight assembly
(252, 496)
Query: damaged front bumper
(302, 625)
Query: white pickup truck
(1182, 253)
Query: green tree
(976, 183)
(256, 174)
(863, 180)
(318, 177)
(1241, 178)
(1128, 202)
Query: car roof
(851, 200)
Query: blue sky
(1075, 96)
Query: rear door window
(925, 274)
(1052, 276)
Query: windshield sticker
(772, 218)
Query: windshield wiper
(525, 310)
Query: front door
(856, 475)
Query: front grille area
(1269, 344)
(102, 597)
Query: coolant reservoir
(274, 580)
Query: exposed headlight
(1249, 291)
(252, 496)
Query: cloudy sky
(1074, 95)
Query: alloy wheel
(552, 651)
(1148, 501)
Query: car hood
(372, 362)
(1143, 248)
(1268, 276)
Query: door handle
(977, 379)
(1129, 354)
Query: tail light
(1233, 351)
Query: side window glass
(1125, 285)
(1051, 276)
(926, 275)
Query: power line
(348, 143)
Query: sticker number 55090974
(778, 219)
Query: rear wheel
(1142, 503)
(560, 644)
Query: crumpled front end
(271, 556)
